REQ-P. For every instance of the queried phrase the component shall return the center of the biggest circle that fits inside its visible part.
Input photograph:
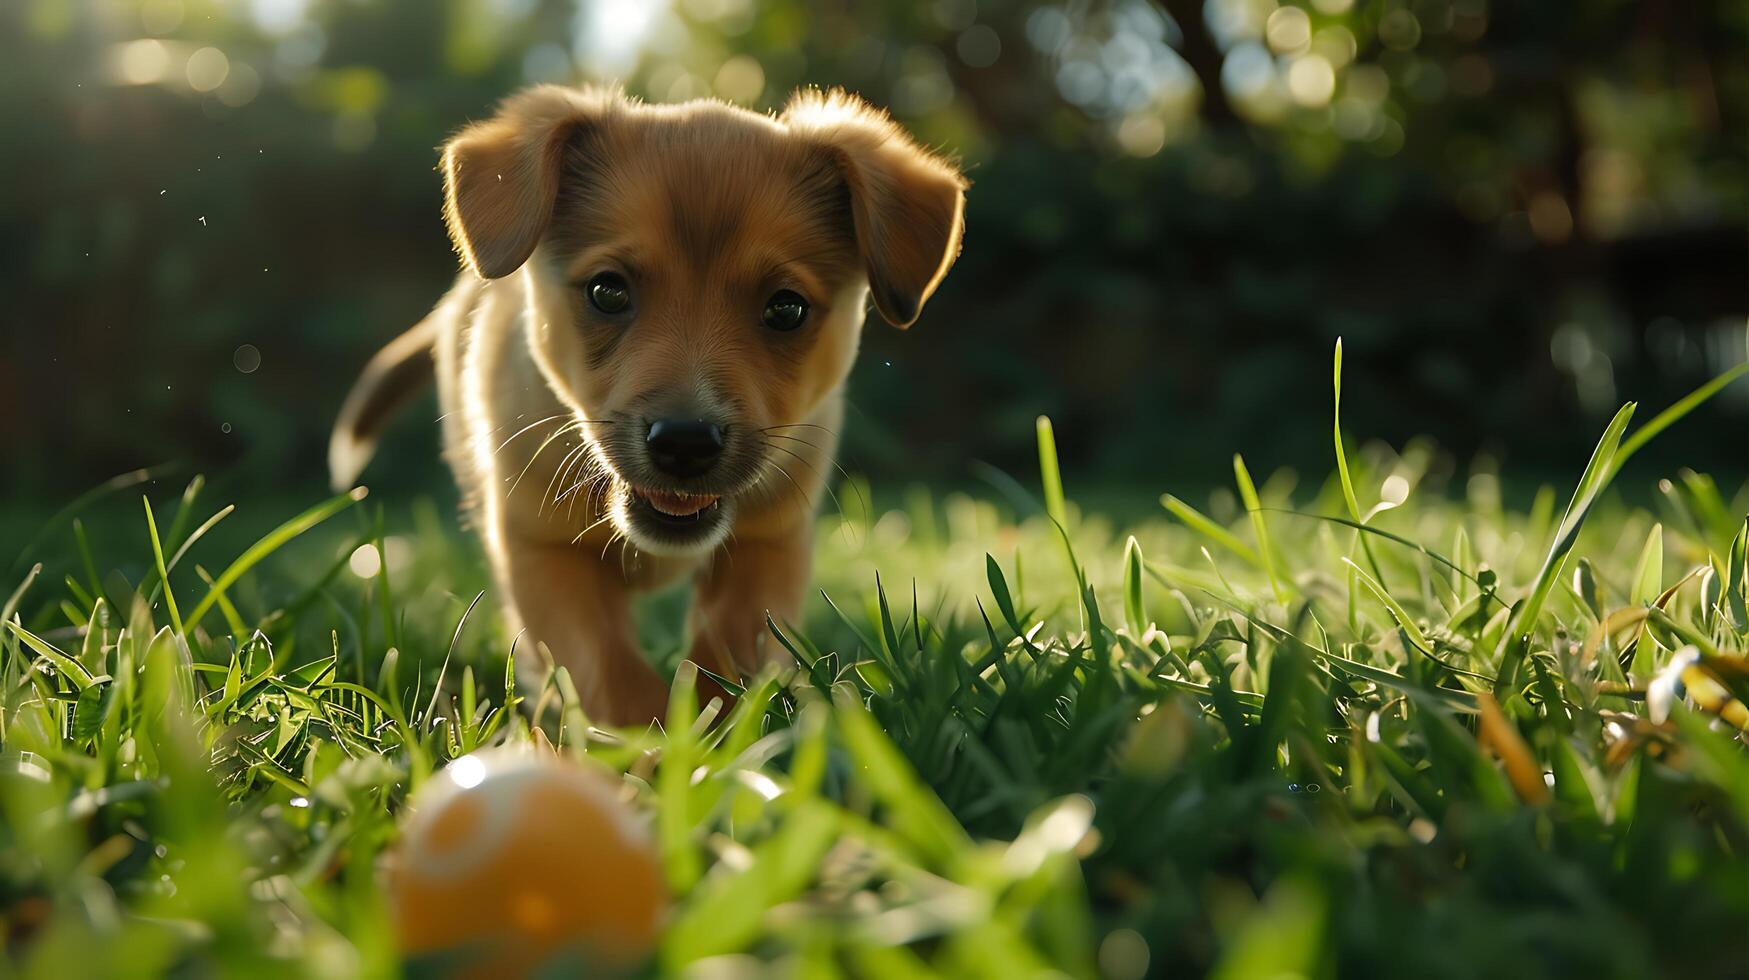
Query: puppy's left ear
(501, 176)
(908, 204)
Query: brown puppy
(641, 368)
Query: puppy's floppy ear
(907, 204)
(501, 176)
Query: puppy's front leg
(578, 606)
(749, 577)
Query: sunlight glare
(612, 33)
(467, 771)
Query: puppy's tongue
(677, 504)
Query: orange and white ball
(512, 856)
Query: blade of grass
(163, 573)
(274, 540)
(1135, 613)
(185, 509)
(115, 484)
(1348, 496)
(674, 819)
(1592, 482)
(1670, 416)
(1401, 615)
(17, 595)
(1195, 520)
(1050, 474)
(1248, 493)
(1646, 585)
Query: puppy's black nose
(684, 448)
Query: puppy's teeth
(677, 504)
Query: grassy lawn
(1380, 725)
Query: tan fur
(706, 210)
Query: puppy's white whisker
(854, 487)
(801, 425)
(806, 512)
(559, 474)
(605, 518)
(581, 483)
(824, 483)
(556, 434)
(519, 432)
(585, 474)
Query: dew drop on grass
(365, 562)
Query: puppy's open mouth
(676, 509)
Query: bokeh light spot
(142, 62)
(1048, 29)
(1232, 21)
(1141, 134)
(207, 69)
(278, 16)
(1336, 44)
(467, 771)
(955, 15)
(547, 63)
(1399, 30)
(740, 79)
(923, 86)
(611, 34)
(1289, 30)
(978, 46)
(366, 562)
(1389, 140)
(1367, 84)
(240, 86)
(354, 130)
(1355, 119)
(1124, 955)
(1247, 70)
(1550, 218)
(1311, 81)
(247, 358)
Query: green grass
(1379, 726)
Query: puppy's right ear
(501, 176)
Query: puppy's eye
(785, 310)
(609, 293)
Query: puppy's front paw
(630, 695)
(736, 644)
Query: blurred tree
(1517, 214)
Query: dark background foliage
(1517, 216)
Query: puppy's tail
(389, 381)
